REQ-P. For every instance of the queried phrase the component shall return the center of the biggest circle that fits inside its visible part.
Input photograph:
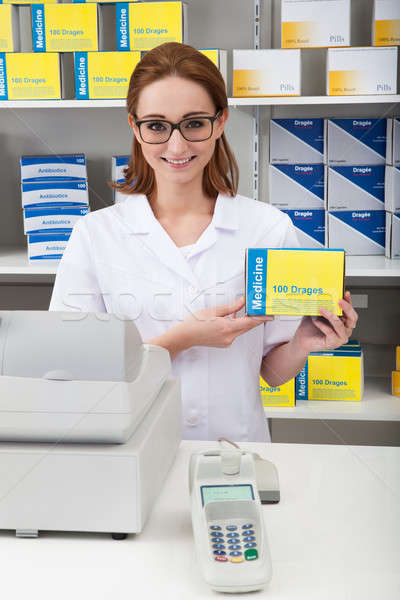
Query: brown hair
(221, 174)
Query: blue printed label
(81, 76)
(309, 131)
(311, 222)
(56, 185)
(302, 383)
(256, 281)
(38, 28)
(70, 159)
(371, 178)
(3, 77)
(123, 39)
(371, 132)
(311, 177)
(371, 223)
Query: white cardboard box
(359, 233)
(297, 187)
(359, 141)
(315, 23)
(43, 247)
(392, 247)
(55, 219)
(386, 23)
(54, 167)
(361, 71)
(259, 73)
(392, 189)
(359, 187)
(296, 141)
(53, 193)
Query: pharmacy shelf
(13, 261)
(377, 405)
(273, 101)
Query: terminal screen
(218, 493)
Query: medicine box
(315, 23)
(55, 219)
(258, 73)
(360, 141)
(296, 141)
(359, 232)
(397, 358)
(61, 167)
(395, 143)
(118, 165)
(103, 75)
(392, 189)
(9, 29)
(64, 27)
(145, 25)
(53, 193)
(386, 23)
(392, 245)
(219, 58)
(396, 383)
(30, 76)
(363, 70)
(293, 281)
(30, 1)
(47, 246)
(360, 187)
(310, 227)
(293, 187)
(332, 375)
(282, 395)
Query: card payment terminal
(227, 520)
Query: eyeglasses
(194, 129)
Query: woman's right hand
(217, 327)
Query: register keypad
(233, 542)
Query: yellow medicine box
(396, 383)
(332, 375)
(100, 75)
(219, 58)
(30, 76)
(145, 25)
(282, 395)
(9, 30)
(397, 358)
(31, 1)
(386, 23)
(64, 27)
(286, 281)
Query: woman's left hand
(316, 333)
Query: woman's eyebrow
(197, 112)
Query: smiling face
(177, 161)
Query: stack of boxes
(329, 375)
(357, 153)
(54, 196)
(297, 176)
(392, 192)
(396, 375)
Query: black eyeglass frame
(178, 127)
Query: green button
(251, 554)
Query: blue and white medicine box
(392, 189)
(359, 232)
(47, 246)
(360, 187)
(310, 227)
(55, 219)
(296, 141)
(395, 158)
(294, 187)
(118, 165)
(53, 193)
(359, 141)
(62, 167)
(392, 248)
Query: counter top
(334, 535)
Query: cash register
(90, 422)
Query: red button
(221, 559)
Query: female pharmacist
(171, 255)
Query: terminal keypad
(233, 542)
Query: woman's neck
(180, 201)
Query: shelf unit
(270, 101)
(377, 405)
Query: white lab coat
(121, 260)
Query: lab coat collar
(138, 216)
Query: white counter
(334, 535)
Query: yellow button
(237, 559)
